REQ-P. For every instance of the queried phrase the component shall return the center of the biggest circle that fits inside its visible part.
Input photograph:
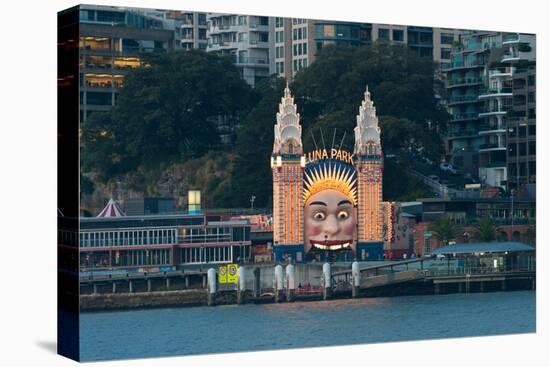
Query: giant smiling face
(330, 222)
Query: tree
(168, 111)
(251, 173)
(485, 230)
(444, 230)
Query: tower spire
(367, 128)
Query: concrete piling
(167, 283)
(211, 288)
(256, 285)
(114, 287)
(278, 283)
(241, 285)
(290, 282)
(355, 279)
(186, 282)
(130, 286)
(326, 281)
(148, 285)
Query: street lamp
(252, 198)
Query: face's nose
(330, 227)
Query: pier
(297, 282)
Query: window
(447, 38)
(279, 67)
(512, 149)
(99, 98)
(532, 148)
(299, 33)
(264, 37)
(278, 22)
(426, 52)
(522, 149)
(383, 34)
(279, 36)
(299, 48)
(398, 35)
(294, 34)
(445, 53)
(202, 19)
(294, 49)
(532, 130)
(305, 48)
(279, 52)
(304, 33)
(328, 30)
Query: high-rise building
(243, 37)
(112, 41)
(191, 29)
(520, 58)
(296, 40)
(466, 77)
(492, 129)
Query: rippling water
(198, 330)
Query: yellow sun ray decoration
(330, 174)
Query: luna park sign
(337, 154)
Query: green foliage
(330, 90)
(166, 112)
(251, 174)
(444, 230)
(397, 185)
(86, 185)
(485, 230)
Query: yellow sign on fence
(222, 274)
(232, 273)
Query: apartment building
(245, 38)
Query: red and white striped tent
(112, 209)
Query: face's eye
(343, 215)
(319, 216)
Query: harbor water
(251, 327)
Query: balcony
(469, 133)
(258, 44)
(464, 116)
(491, 129)
(501, 73)
(491, 146)
(251, 61)
(462, 65)
(510, 57)
(511, 38)
(463, 99)
(494, 111)
(496, 92)
(464, 82)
